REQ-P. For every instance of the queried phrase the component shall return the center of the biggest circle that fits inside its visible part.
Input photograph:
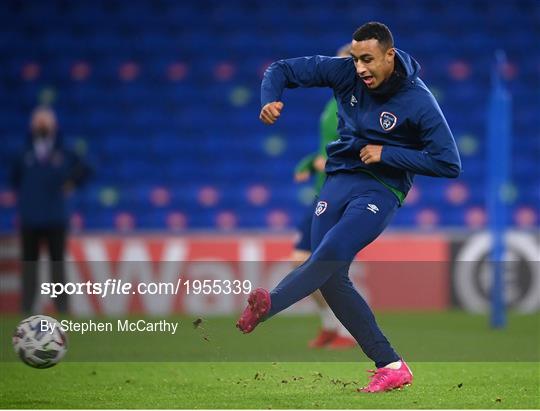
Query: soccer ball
(39, 341)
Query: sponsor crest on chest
(387, 120)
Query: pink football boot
(387, 379)
(258, 307)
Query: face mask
(43, 143)
(42, 133)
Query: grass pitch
(265, 386)
(458, 362)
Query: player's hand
(270, 112)
(302, 176)
(319, 163)
(371, 154)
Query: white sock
(343, 332)
(328, 319)
(394, 365)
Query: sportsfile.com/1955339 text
(113, 286)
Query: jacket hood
(411, 66)
(405, 70)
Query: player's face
(373, 63)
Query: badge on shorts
(388, 120)
(321, 207)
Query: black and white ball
(40, 342)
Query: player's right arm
(316, 71)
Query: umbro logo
(353, 101)
(373, 208)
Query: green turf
(264, 386)
(429, 337)
(458, 361)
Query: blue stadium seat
(195, 125)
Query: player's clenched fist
(270, 112)
(371, 154)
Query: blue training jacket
(409, 123)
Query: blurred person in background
(332, 334)
(43, 176)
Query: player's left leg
(353, 311)
(355, 314)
